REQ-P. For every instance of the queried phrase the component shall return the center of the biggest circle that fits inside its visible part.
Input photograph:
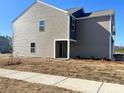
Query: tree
(6, 40)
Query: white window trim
(43, 25)
(73, 40)
(73, 18)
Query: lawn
(16, 86)
(98, 70)
(119, 50)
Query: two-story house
(47, 31)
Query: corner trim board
(68, 45)
(110, 41)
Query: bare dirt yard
(98, 70)
(16, 86)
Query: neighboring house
(46, 31)
(4, 45)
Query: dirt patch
(98, 70)
(15, 86)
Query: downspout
(110, 38)
(68, 52)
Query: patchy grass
(98, 70)
(120, 50)
(16, 86)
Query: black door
(61, 49)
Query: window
(73, 25)
(33, 46)
(73, 28)
(73, 21)
(41, 25)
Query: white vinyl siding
(26, 30)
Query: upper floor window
(41, 25)
(73, 28)
(73, 21)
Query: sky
(10, 9)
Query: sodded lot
(15, 86)
(98, 70)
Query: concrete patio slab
(22, 75)
(46, 79)
(4, 72)
(112, 88)
(84, 86)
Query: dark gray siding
(92, 38)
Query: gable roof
(98, 13)
(103, 12)
(73, 10)
(78, 12)
(39, 1)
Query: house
(4, 45)
(47, 31)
